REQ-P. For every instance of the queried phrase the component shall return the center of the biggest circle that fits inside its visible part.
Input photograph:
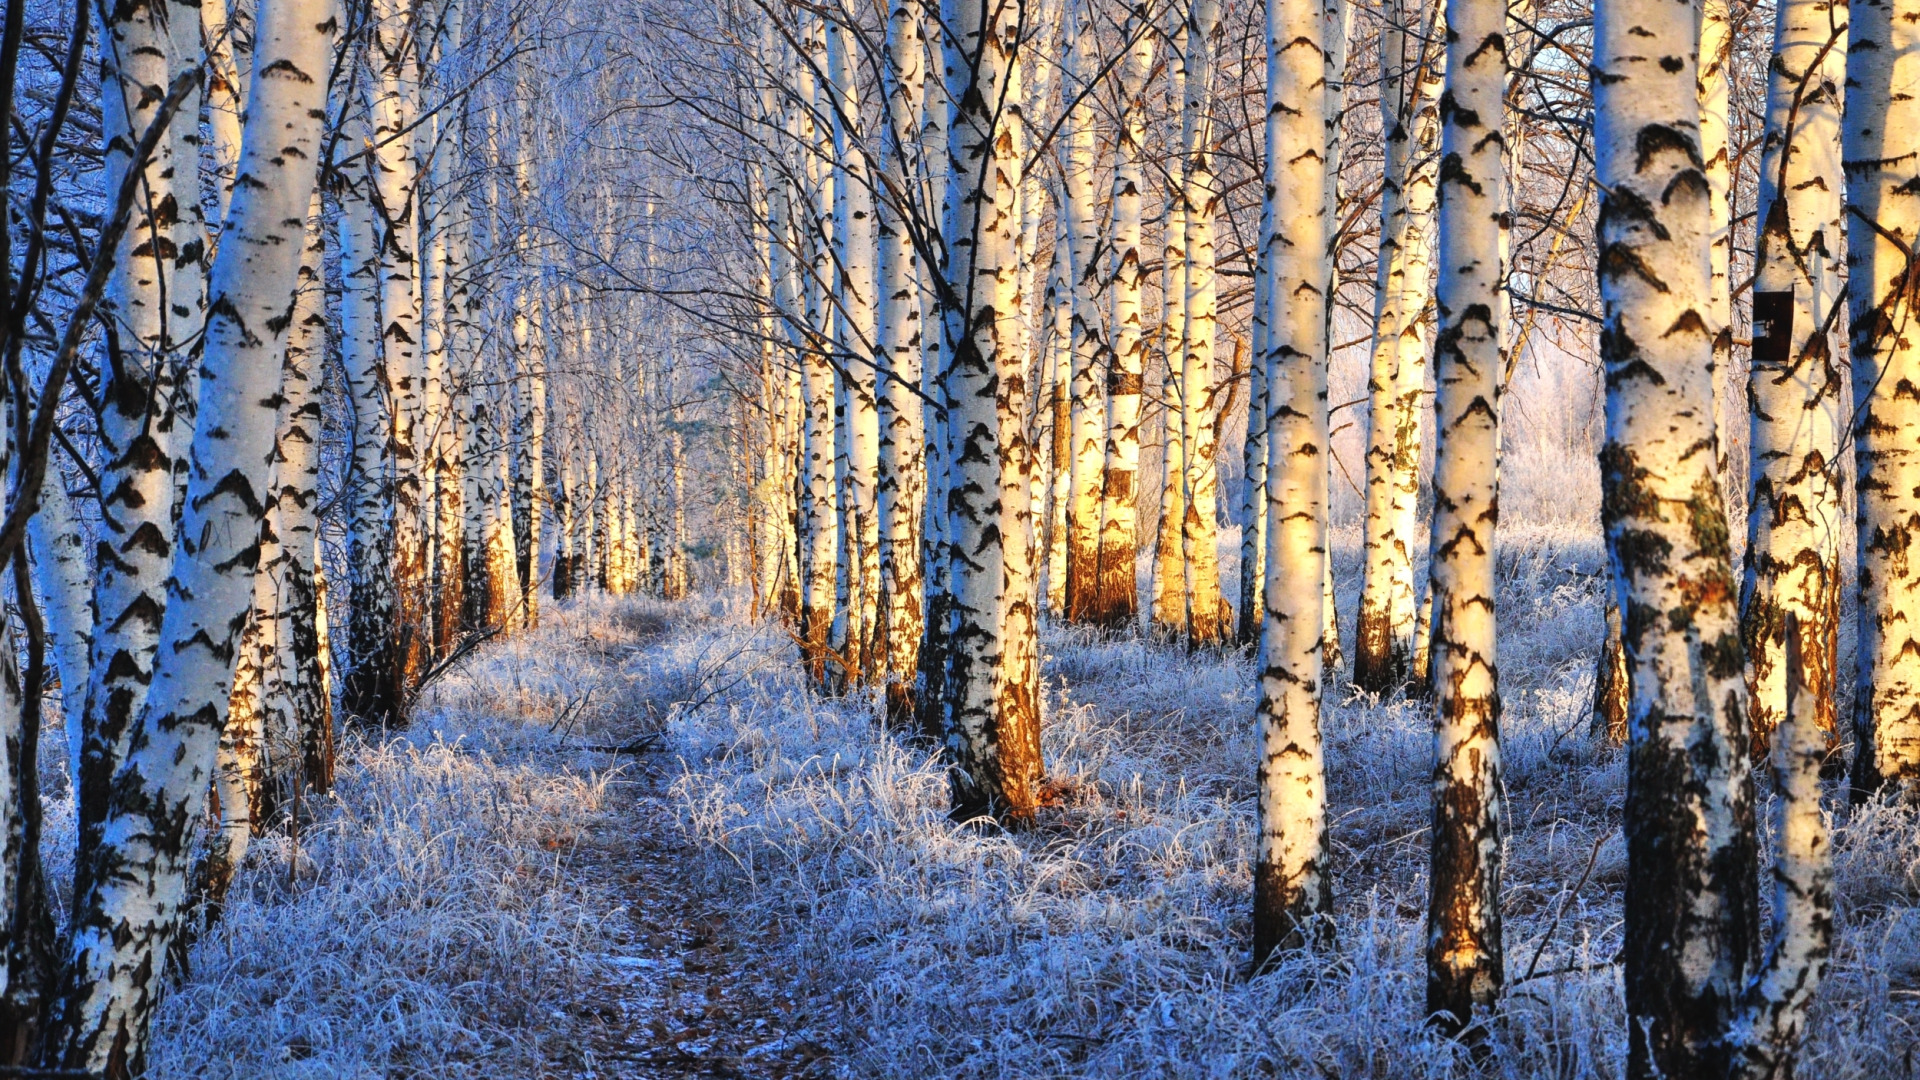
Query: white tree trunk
(902, 479)
(1116, 600)
(854, 245)
(1883, 80)
(993, 727)
(1466, 964)
(1691, 919)
(1087, 411)
(1410, 106)
(1293, 885)
(1207, 617)
(152, 299)
(1795, 382)
(122, 919)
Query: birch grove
(941, 454)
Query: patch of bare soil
(690, 990)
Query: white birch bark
(1293, 885)
(117, 942)
(1168, 612)
(1116, 600)
(1691, 918)
(902, 477)
(371, 659)
(152, 300)
(1465, 961)
(1207, 617)
(1883, 86)
(63, 577)
(1410, 107)
(1794, 384)
(856, 282)
(1772, 1020)
(993, 728)
(1087, 409)
(393, 93)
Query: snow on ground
(632, 844)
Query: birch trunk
(63, 578)
(299, 708)
(1465, 961)
(1207, 614)
(854, 244)
(1716, 56)
(392, 105)
(1058, 379)
(1292, 883)
(819, 562)
(1883, 80)
(935, 644)
(1085, 445)
(902, 481)
(374, 665)
(1794, 383)
(152, 300)
(131, 903)
(1691, 907)
(1170, 585)
(1410, 106)
(1116, 599)
(992, 728)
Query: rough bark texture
(125, 916)
(1292, 883)
(152, 300)
(1116, 599)
(992, 726)
(1207, 619)
(1410, 107)
(1773, 1020)
(1691, 908)
(903, 481)
(1466, 963)
(1883, 87)
(1795, 382)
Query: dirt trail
(688, 993)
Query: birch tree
(130, 903)
(1410, 114)
(1292, 883)
(1883, 85)
(1466, 963)
(1794, 384)
(992, 725)
(1116, 601)
(1691, 907)
(1087, 407)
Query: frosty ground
(633, 844)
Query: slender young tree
(1292, 883)
(855, 282)
(1087, 409)
(1466, 963)
(902, 481)
(1691, 903)
(1883, 110)
(1116, 600)
(1396, 383)
(1794, 383)
(1207, 617)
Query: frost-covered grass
(1112, 940)
(430, 923)
(424, 925)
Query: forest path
(688, 991)
(687, 996)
